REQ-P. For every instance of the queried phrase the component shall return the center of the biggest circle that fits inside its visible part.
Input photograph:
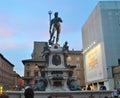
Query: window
(28, 74)
(36, 73)
(77, 58)
(78, 65)
(69, 58)
(118, 84)
(28, 66)
(27, 81)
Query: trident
(50, 12)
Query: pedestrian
(29, 93)
(23, 89)
(115, 93)
(88, 88)
(49, 97)
(4, 96)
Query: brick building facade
(6, 72)
(76, 58)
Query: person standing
(115, 93)
(29, 93)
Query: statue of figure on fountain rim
(42, 84)
(55, 26)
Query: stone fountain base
(63, 94)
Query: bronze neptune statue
(54, 26)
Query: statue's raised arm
(55, 26)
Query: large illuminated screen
(93, 64)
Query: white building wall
(103, 28)
(92, 28)
(111, 31)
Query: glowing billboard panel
(94, 67)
